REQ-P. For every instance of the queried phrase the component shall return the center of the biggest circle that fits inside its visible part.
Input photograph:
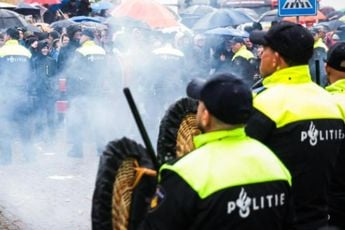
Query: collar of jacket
(337, 87)
(291, 75)
(243, 52)
(320, 44)
(213, 136)
(11, 42)
(89, 43)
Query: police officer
(230, 181)
(335, 69)
(319, 54)
(15, 106)
(44, 73)
(84, 82)
(242, 63)
(297, 119)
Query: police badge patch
(157, 199)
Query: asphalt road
(53, 192)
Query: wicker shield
(177, 129)
(125, 182)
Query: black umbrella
(332, 25)
(192, 14)
(27, 9)
(62, 24)
(270, 16)
(93, 25)
(198, 10)
(222, 18)
(227, 31)
(250, 12)
(334, 15)
(33, 28)
(10, 18)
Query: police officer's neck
(217, 125)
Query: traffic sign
(297, 7)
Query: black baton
(317, 72)
(141, 127)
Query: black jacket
(45, 82)
(300, 122)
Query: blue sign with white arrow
(297, 7)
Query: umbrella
(151, 12)
(5, 5)
(33, 28)
(27, 9)
(327, 9)
(192, 14)
(126, 22)
(85, 18)
(303, 19)
(198, 10)
(221, 18)
(43, 2)
(42, 8)
(10, 18)
(270, 16)
(334, 15)
(332, 25)
(227, 31)
(102, 5)
(94, 25)
(342, 19)
(250, 12)
(62, 24)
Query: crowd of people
(228, 185)
(271, 160)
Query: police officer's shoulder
(175, 160)
(258, 90)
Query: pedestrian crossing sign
(297, 7)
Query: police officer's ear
(279, 61)
(203, 116)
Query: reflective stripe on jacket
(299, 121)
(243, 52)
(12, 47)
(90, 48)
(230, 181)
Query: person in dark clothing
(70, 9)
(230, 181)
(52, 14)
(319, 54)
(66, 52)
(297, 119)
(44, 70)
(222, 55)
(242, 61)
(84, 8)
(31, 44)
(335, 69)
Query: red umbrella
(149, 11)
(49, 2)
